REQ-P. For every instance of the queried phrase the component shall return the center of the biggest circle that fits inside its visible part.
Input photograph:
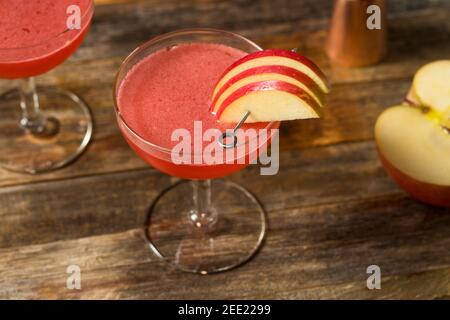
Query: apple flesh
(274, 57)
(268, 101)
(414, 148)
(411, 98)
(266, 73)
(431, 85)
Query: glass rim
(89, 11)
(145, 45)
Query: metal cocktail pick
(225, 135)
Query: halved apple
(411, 98)
(271, 100)
(431, 85)
(274, 57)
(414, 148)
(266, 73)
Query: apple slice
(268, 101)
(431, 85)
(266, 73)
(414, 148)
(274, 57)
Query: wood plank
(420, 35)
(318, 252)
(434, 284)
(117, 202)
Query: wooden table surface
(332, 210)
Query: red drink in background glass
(41, 128)
(34, 37)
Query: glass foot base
(67, 132)
(175, 236)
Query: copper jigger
(350, 42)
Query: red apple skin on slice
(308, 84)
(422, 191)
(275, 53)
(308, 107)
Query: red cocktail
(170, 89)
(163, 86)
(45, 131)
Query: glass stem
(29, 103)
(203, 215)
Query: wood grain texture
(327, 246)
(118, 202)
(332, 209)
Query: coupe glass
(198, 225)
(42, 128)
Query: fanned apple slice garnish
(266, 73)
(271, 85)
(268, 101)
